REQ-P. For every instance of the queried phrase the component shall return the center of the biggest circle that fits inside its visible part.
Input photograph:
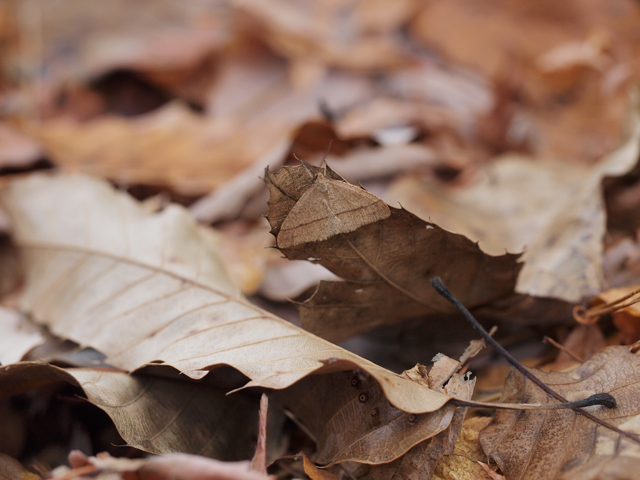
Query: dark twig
(606, 399)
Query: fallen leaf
(352, 420)
(387, 264)
(421, 461)
(17, 337)
(573, 112)
(11, 469)
(314, 472)
(549, 444)
(149, 288)
(357, 422)
(463, 463)
(144, 409)
(146, 149)
(627, 320)
(554, 212)
(177, 466)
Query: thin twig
(562, 348)
(444, 292)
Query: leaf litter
(199, 100)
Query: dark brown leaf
(386, 265)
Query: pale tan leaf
(144, 288)
(17, 337)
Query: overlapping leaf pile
(494, 145)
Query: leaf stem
(444, 292)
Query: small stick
(610, 402)
(562, 348)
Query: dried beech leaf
(143, 409)
(554, 444)
(351, 419)
(386, 264)
(150, 288)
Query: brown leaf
(314, 472)
(351, 419)
(559, 443)
(554, 212)
(11, 469)
(387, 264)
(327, 208)
(420, 462)
(150, 288)
(463, 463)
(154, 414)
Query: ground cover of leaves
(219, 222)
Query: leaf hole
(413, 419)
(363, 397)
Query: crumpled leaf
(351, 420)
(554, 212)
(154, 414)
(558, 444)
(386, 265)
(420, 462)
(149, 288)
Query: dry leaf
(626, 320)
(11, 469)
(550, 444)
(171, 146)
(554, 212)
(387, 265)
(575, 114)
(149, 288)
(351, 419)
(420, 462)
(327, 208)
(314, 472)
(176, 466)
(143, 409)
(463, 463)
(17, 337)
